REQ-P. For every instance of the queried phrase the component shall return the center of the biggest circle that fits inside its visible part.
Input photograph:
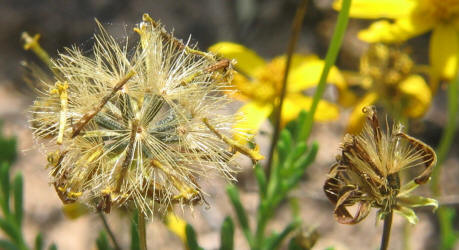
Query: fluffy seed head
(135, 126)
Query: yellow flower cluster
(387, 77)
(410, 18)
(258, 82)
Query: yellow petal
(379, 8)
(444, 51)
(176, 225)
(306, 74)
(416, 94)
(248, 62)
(249, 119)
(398, 31)
(294, 103)
(357, 118)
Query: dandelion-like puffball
(136, 127)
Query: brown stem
(109, 231)
(296, 28)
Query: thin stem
(142, 232)
(109, 231)
(330, 59)
(448, 135)
(296, 28)
(386, 231)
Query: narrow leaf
(261, 180)
(240, 212)
(276, 239)
(191, 238)
(39, 242)
(17, 191)
(5, 188)
(135, 242)
(102, 241)
(227, 234)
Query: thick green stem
(386, 231)
(330, 59)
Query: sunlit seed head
(129, 126)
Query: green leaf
(102, 241)
(408, 213)
(306, 160)
(240, 212)
(227, 234)
(38, 242)
(191, 239)
(284, 145)
(52, 247)
(275, 240)
(135, 240)
(416, 201)
(6, 245)
(261, 180)
(17, 191)
(5, 188)
(9, 229)
(7, 148)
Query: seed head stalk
(386, 231)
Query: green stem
(442, 151)
(296, 28)
(142, 232)
(448, 135)
(330, 59)
(386, 231)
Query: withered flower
(366, 173)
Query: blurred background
(262, 25)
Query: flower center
(441, 10)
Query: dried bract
(366, 173)
(136, 126)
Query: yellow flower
(387, 78)
(411, 18)
(259, 83)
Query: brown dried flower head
(366, 173)
(136, 128)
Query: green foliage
(12, 212)
(135, 238)
(227, 234)
(448, 235)
(102, 241)
(191, 239)
(7, 148)
(11, 220)
(292, 159)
